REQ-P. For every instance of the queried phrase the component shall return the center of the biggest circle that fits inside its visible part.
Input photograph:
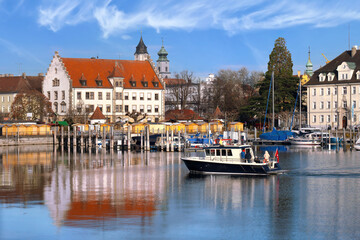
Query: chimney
(353, 51)
(40, 74)
(24, 75)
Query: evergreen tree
(280, 60)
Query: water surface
(51, 194)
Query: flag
(277, 155)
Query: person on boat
(221, 142)
(242, 154)
(248, 156)
(266, 157)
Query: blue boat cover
(276, 135)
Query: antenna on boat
(273, 108)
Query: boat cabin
(245, 153)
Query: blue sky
(200, 36)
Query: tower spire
(309, 66)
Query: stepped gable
(104, 69)
(97, 114)
(332, 66)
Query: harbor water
(66, 194)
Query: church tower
(309, 66)
(163, 63)
(141, 53)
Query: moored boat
(357, 145)
(231, 160)
(307, 139)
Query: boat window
(207, 152)
(212, 152)
(229, 153)
(223, 152)
(217, 152)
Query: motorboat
(357, 145)
(231, 160)
(307, 139)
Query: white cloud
(233, 16)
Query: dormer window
(154, 82)
(98, 82)
(83, 82)
(330, 76)
(322, 77)
(358, 75)
(133, 83)
(145, 83)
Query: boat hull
(210, 167)
(357, 147)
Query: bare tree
(33, 102)
(184, 91)
(136, 116)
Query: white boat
(307, 139)
(357, 145)
(231, 160)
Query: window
(92, 95)
(83, 82)
(149, 108)
(321, 105)
(55, 70)
(321, 118)
(108, 108)
(134, 96)
(118, 108)
(354, 104)
(321, 77)
(126, 96)
(89, 95)
(314, 92)
(354, 90)
(328, 118)
(126, 108)
(63, 107)
(345, 104)
(56, 107)
(118, 96)
(159, 69)
(314, 118)
(78, 95)
(335, 91)
(149, 96)
(336, 118)
(156, 109)
(48, 94)
(3, 99)
(354, 118)
(328, 105)
(166, 69)
(156, 84)
(98, 82)
(100, 95)
(156, 96)
(100, 107)
(358, 75)
(344, 90)
(56, 95)
(56, 82)
(321, 92)
(141, 108)
(9, 98)
(328, 91)
(90, 108)
(118, 83)
(314, 105)
(141, 96)
(108, 96)
(134, 108)
(331, 76)
(63, 95)
(335, 104)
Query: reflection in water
(153, 192)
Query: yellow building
(235, 126)
(176, 127)
(191, 127)
(216, 126)
(203, 127)
(156, 127)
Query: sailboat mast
(273, 108)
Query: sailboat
(274, 136)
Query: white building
(115, 86)
(333, 92)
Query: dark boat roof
(228, 147)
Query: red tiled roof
(92, 68)
(218, 113)
(97, 114)
(174, 81)
(15, 84)
(185, 114)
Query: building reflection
(101, 187)
(23, 173)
